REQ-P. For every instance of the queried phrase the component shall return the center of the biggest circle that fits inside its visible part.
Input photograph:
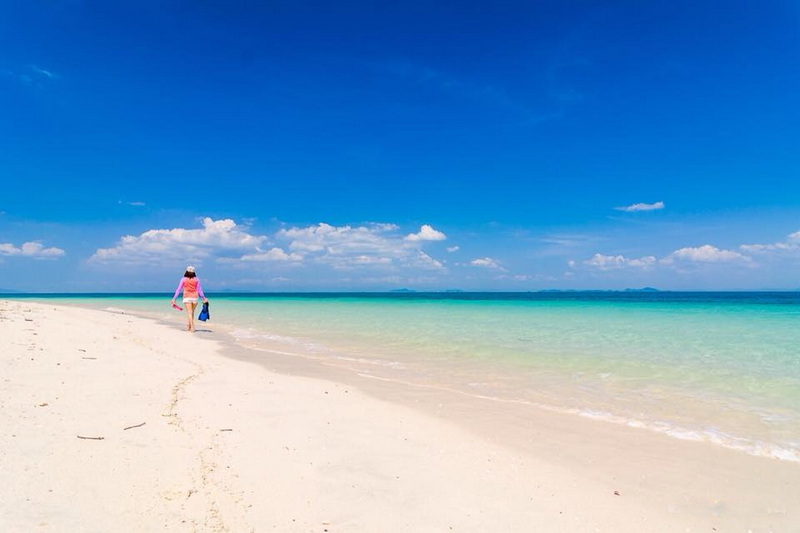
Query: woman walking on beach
(190, 284)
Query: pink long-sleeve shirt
(191, 288)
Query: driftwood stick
(90, 438)
(136, 426)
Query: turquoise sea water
(716, 367)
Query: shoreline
(709, 482)
(237, 440)
(700, 398)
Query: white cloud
(791, 244)
(704, 254)
(367, 260)
(423, 260)
(700, 254)
(606, 262)
(342, 240)
(452, 249)
(31, 249)
(372, 245)
(692, 256)
(42, 72)
(487, 262)
(31, 75)
(641, 207)
(216, 237)
(613, 262)
(426, 233)
(369, 246)
(764, 248)
(643, 262)
(274, 254)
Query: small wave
(255, 335)
(250, 334)
(790, 452)
(373, 362)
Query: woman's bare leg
(190, 315)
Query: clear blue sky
(429, 145)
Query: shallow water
(717, 367)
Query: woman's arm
(200, 290)
(178, 290)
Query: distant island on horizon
(643, 289)
(405, 290)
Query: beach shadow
(197, 330)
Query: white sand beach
(112, 422)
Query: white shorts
(190, 300)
